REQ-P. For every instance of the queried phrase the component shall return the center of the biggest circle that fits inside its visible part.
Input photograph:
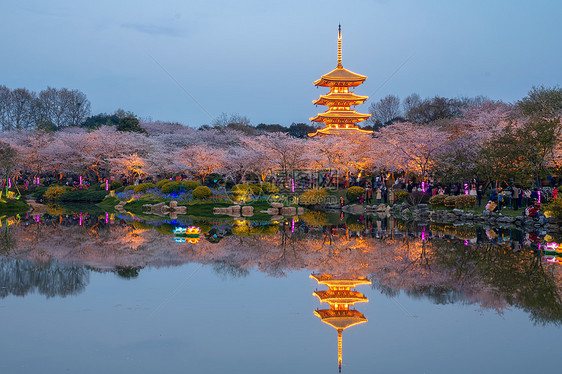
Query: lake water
(83, 293)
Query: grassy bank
(12, 207)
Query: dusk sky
(259, 58)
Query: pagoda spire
(340, 348)
(339, 47)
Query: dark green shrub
(450, 201)
(39, 192)
(353, 193)
(115, 185)
(246, 189)
(161, 183)
(465, 201)
(313, 196)
(190, 185)
(141, 187)
(120, 189)
(554, 208)
(83, 195)
(171, 187)
(129, 188)
(256, 190)
(418, 197)
(401, 195)
(54, 192)
(268, 188)
(202, 192)
(437, 200)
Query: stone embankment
(382, 210)
(160, 209)
(276, 210)
(422, 212)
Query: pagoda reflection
(341, 296)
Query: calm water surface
(84, 295)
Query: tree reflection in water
(22, 277)
(441, 263)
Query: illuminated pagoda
(340, 116)
(341, 295)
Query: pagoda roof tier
(330, 130)
(340, 99)
(340, 319)
(340, 77)
(331, 281)
(340, 297)
(340, 116)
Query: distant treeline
(55, 109)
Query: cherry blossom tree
(413, 147)
(201, 160)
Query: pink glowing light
(9, 182)
(292, 225)
(107, 185)
(106, 217)
(466, 188)
(292, 185)
(466, 242)
(539, 192)
(80, 180)
(37, 218)
(80, 219)
(423, 234)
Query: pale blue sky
(259, 58)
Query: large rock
(381, 208)
(506, 219)
(288, 211)
(173, 204)
(300, 210)
(451, 217)
(247, 211)
(276, 205)
(235, 209)
(273, 211)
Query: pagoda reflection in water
(341, 295)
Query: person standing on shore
(515, 197)
(479, 193)
(501, 197)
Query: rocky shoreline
(423, 213)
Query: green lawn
(11, 207)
